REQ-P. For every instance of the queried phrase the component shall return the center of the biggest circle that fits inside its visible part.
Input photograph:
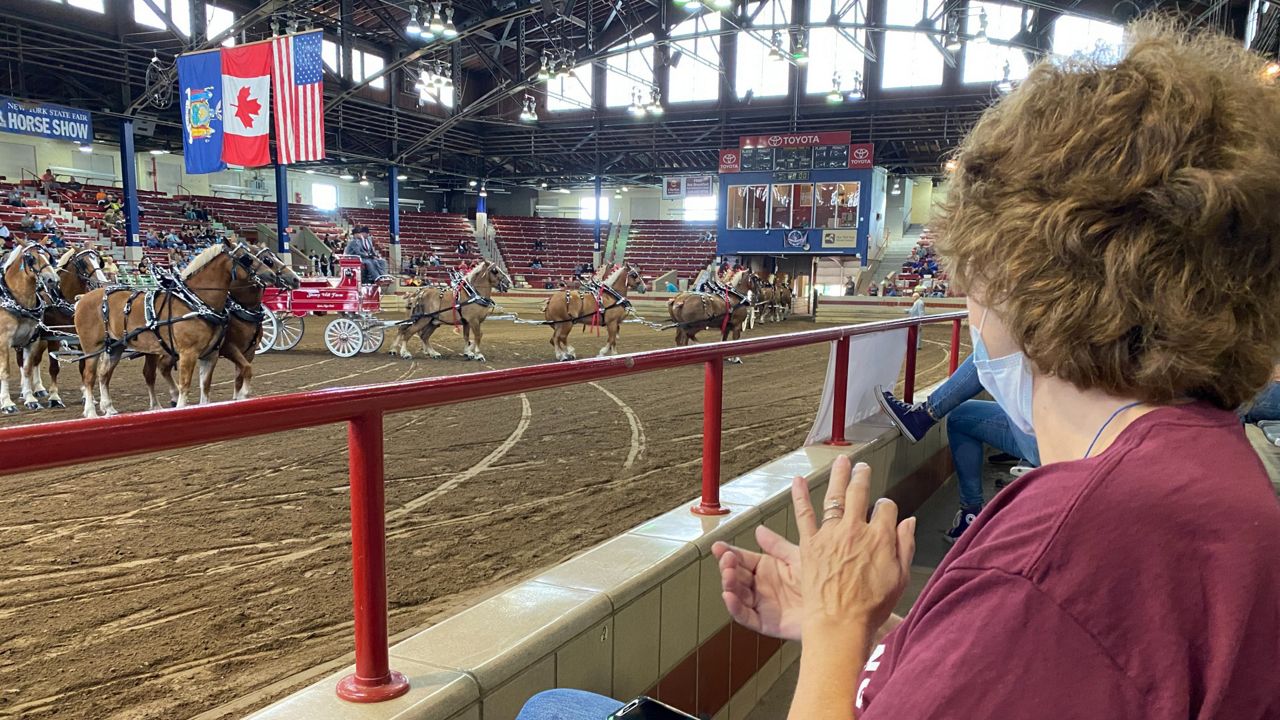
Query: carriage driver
(361, 245)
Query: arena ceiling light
(528, 113)
(950, 166)
(450, 30)
(159, 151)
(721, 4)
(364, 179)
(897, 186)
(472, 183)
(981, 35)
(437, 20)
(402, 176)
(836, 95)
(85, 148)
(655, 102)
(856, 92)
(775, 47)
(543, 184)
(413, 29)
(799, 49)
(1005, 86)
(1271, 71)
(483, 191)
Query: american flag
(298, 77)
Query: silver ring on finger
(832, 514)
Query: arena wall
(638, 614)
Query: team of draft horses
(213, 309)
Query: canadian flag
(246, 90)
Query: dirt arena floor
(207, 582)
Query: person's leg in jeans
(971, 426)
(568, 705)
(915, 420)
(1266, 406)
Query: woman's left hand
(852, 570)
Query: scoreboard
(791, 152)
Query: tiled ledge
(638, 614)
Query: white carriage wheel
(343, 337)
(270, 328)
(374, 334)
(290, 331)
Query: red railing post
(840, 393)
(909, 383)
(712, 402)
(373, 680)
(955, 346)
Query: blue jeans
(568, 705)
(1266, 406)
(970, 426)
(962, 385)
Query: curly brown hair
(1124, 220)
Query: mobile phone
(646, 708)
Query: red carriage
(354, 330)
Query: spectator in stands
(672, 287)
(151, 240)
(874, 291)
(361, 245)
(100, 198)
(28, 221)
(315, 262)
(109, 268)
(48, 181)
(172, 239)
(434, 260)
(535, 263)
(202, 213)
(538, 244)
(1134, 575)
(5, 235)
(15, 197)
(850, 288)
(462, 247)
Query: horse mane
(66, 257)
(204, 258)
(13, 255)
(617, 270)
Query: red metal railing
(58, 444)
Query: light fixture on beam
(1005, 86)
(450, 30)
(413, 29)
(981, 35)
(775, 47)
(528, 113)
(897, 186)
(85, 148)
(799, 49)
(721, 4)
(655, 102)
(402, 177)
(437, 20)
(857, 91)
(950, 165)
(471, 183)
(364, 179)
(836, 95)
(953, 43)
(346, 175)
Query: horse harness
(473, 298)
(174, 288)
(721, 291)
(598, 290)
(10, 303)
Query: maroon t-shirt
(1141, 583)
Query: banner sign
(44, 120)
(697, 186)
(839, 238)
(672, 188)
(880, 359)
(730, 161)
(200, 92)
(862, 156)
(795, 140)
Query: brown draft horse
(467, 303)
(23, 271)
(79, 271)
(240, 345)
(727, 310)
(186, 319)
(607, 307)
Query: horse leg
(88, 372)
(105, 370)
(424, 336)
(54, 398)
(736, 331)
(244, 373)
(206, 366)
(555, 342)
(401, 345)
(32, 386)
(611, 344)
(186, 367)
(478, 354)
(6, 403)
(149, 377)
(466, 341)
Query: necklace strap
(1114, 415)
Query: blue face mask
(1007, 378)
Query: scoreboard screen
(800, 158)
(831, 156)
(757, 159)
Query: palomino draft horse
(185, 320)
(467, 303)
(244, 330)
(604, 304)
(726, 308)
(23, 271)
(79, 271)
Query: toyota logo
(861, 153)
(774, 140)
(730, 158)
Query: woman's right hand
(762, 590)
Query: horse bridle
(9, 301)
(85, 272)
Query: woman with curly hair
(1117, 230)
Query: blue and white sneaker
(913, 421)
(964, 518)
